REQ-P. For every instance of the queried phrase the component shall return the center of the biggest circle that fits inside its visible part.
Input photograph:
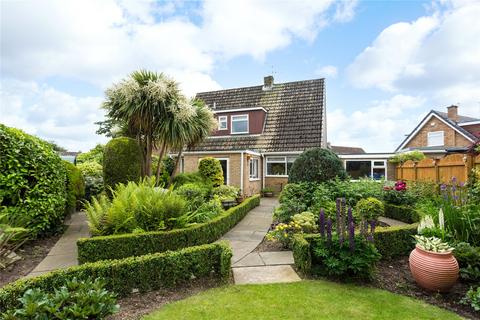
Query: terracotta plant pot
(433, 270)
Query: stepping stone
(266, 274)
(251, 260)
(277, 257)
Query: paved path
(64, 252)
(258, 267)
(392, 222)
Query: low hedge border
(144, 273)
(390, 242)
(401, 213)
(127, 245)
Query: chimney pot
(267, 82)
(452, 112)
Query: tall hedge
(122, 162)
(211, 169)
(75, 186)
(316, 165)
(32, 181)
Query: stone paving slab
(265, 274)
(277, 257)
(252, 259)
(392, 222)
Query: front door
(224, 163)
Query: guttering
(423, 151)
(468, 123)
(366, 156)
(239, 110)
(282, 152)
(223, 152)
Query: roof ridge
(261, 85)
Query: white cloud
(436, 55)
(378, 128)
(327, 71)
(51, 114)
(345, 10)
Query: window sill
(239, 132)
(276, 176)
(253, 179)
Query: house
(439, 133)
(261, 130)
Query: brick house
(261, 130)
(440, 132)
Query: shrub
(93, 175)
(74, 300)
(403, 157)
(75, 186)
(401, 213)
(395, 241)
(137, 207)
(168, 165)
(195, 194)
(468, 258)
(211, 169)
(183, 178)
(316, 165)
(472, 298)
(295, 198)
(225, 192)
(32, 181)
(11, 238)
(354, 191)
(121, 246)
(94, 155)
(337, 259)
(144, 273)
(207, 210)
(369, 209)
(121, 162)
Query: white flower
(426, 223)
(441, 219)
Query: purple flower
(373, 224)
(329, 230)
(350, 216)
(351, 235)
(443, 187)
(454, 179)
(322, 223)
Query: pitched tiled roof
(295, 112)
(445, 117)
(347, 150)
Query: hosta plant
(433, 244)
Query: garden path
(64, 252)
(258, 267)
(392, 222)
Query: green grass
(300, 300)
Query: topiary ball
(316, 165)
(369, 209)
(211, 169)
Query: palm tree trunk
(160, 157)
(177, 161)
(148, 158)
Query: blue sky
(386, 63)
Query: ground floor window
(357, 169)
(279, 166)
(253, 168)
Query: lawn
(300, 300)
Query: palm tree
(142, 102)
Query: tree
(139, 105)
(316, 165)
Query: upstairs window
(240, 124)
(435, 138)
(222, 123)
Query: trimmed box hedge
(390, 242)
(127, 245)
(401, 213)
(144, 273)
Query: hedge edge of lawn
(401, 213)
(127, 245)
(143, 273)
(390, 242)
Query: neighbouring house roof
(294, 120)
(443, 117)
(347, 150)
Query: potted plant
(267, 192)
(433, 265)
(240, 197)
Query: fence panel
(426, 170)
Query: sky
(386, 63)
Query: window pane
(222, 123)
(239, 124)
(254, 168)
(359, 169)
(435, 138)
(378, 173)
(276, 169)
(379, 164)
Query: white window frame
(223, 120)
(285, 161)
(435, 135)
(372, 166)
(235, 119)
(254, 164)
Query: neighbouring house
(261, 130)
(439, 133)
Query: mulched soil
(395, 276)
(139, 304)
(31, 253)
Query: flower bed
(127, 245)
(144, 273)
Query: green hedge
(126, 245)
(390, 242)
(75, 186)
(401, 213)
(144, 273)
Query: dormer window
(222, 123)
(239, 124)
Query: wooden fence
(438, 170)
